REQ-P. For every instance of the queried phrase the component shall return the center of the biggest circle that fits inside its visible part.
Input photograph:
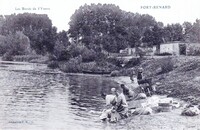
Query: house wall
(166, 48)
(172, 48)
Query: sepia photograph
(99, 65)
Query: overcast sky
(59, 11)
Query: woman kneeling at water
(118, 110)
(121, 106)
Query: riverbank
(177, 77)
(170, 120)
(27, 58)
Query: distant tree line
(93, 30)
(109, 28)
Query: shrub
(196, 52)
(140, 51)
(31, 58)
(7, 57)
(100, 57)
(163, 54)
(133, 62)
(88, 55)
(18, 44)
(193, 51)
(64, 55)
(53, 64)
(88, 66)
(72, 66)
(167, 65)
(126, 72)
(115, 61)
(76, 50)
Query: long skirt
(111, 115)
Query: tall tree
(107, 27)
(37, 27)
(61, 45)
(192, 31)
(173, 32)
(154, 36)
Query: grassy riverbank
(177, 77)
(180, 78)
(27, 58)
(182, 81)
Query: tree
(2, 20)
(197, 30)
(192, 31)
(173, 32)
(37, 27)
(95, 25)
(107, 27)
(154, 36)
(61, 45)
(17, 44)
(3, 45)
(148, 37)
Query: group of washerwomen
(116, 103)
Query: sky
(60, 11)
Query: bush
(53, 64)
(88, 55)
(88, 66)
(104, 66)
(27, 58)
(72, 66)
(7, 57)
(133, 62)
(193, 51)
(64, 56)
(167, 65)
(76, 50)
(126, 72)
(100, 57)
(163, 54)
(115, 61)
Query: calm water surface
(35, 97)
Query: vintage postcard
(99, 65)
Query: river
(33, 96)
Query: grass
(31, 58)
(183, 79)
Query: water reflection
(34, 97)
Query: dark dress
(139, 75)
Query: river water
(35, 97)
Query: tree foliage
(15, 44)
(173, 32)
(61, 45)
(107, 27)
(192, 31)
(37, 27)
